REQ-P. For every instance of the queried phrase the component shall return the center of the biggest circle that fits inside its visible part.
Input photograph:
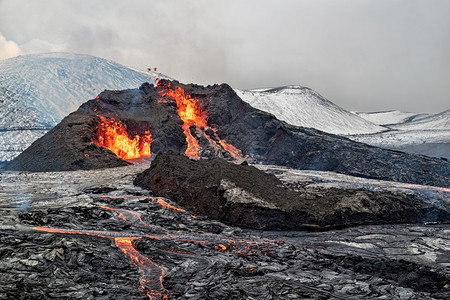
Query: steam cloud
(8, 49)
(363, 55)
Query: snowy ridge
(388, 117)
(418, 133)
(38, 90)
(410, 132)
(302, 106)
(427, 122)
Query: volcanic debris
(256, 134)
(75, 254)
(242, 195)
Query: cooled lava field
(94, 235)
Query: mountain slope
(225, 126)
(390, 117)
(37, 91)
(418, 134)
(301, 106)
(428, 122)
(405, 131)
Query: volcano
(38, 90)
(208, 122)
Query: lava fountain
(112, 134)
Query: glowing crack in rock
(152, 275)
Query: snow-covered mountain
(415, 133)
(302, 106)
(411, 132)
(426, 122)
(37, 91)
(389, 117)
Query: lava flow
(154, 289)
(191, 113)
(152, 275)
(112, 134)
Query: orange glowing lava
(222, 247)
(167, 205)
(152, 275)
(112, 134)
(132, 217)
(153, 288)
(191, 113)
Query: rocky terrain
(257, 135)
(94, 235)
(242, 195)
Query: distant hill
(417, 133)
(414, 133)
(37, 91)
(301, 106)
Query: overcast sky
(364, 55)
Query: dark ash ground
(405, 261)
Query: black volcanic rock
(259, 135)
(67, 146)
(243, 195)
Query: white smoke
(8, 49)
(41, 46)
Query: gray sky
(363, 55)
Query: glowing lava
(112, 134)
(191, 113)
(152, 275)
(154, 289)
(167, 205)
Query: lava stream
(153, 288)
(152, 274)
(191, 113)
(134, 218)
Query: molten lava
(113, 135)
(191, 113)
(167, 205)
(152, 275)
(153, 288)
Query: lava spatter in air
(112, 134)
(191, 113)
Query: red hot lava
(154, 289)
(152, 274)
(192, 113)
(112, 134)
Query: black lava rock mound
(243, 195)
(259, 135)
